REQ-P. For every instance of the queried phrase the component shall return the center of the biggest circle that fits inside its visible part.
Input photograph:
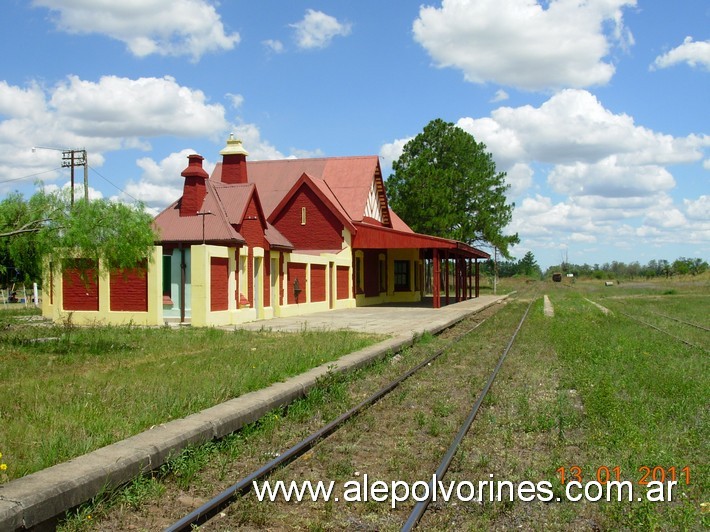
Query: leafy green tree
(445, 184)
(48, 226)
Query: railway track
(689, 323)
(663, 330)
(454, 373)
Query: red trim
(376, 237)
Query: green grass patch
(644, 393)
(67, 390)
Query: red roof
(377, 237)
(398, 223)
(322, 190)
(342, 183)
(345, 180)
(227, 205)
(189, 229)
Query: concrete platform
(37, 499)
(392, 320)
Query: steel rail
(421, 506)
(682, 321)
(686, 342)
(243, 486)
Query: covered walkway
(449, 269)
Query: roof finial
(234, 147)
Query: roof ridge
(314, 158)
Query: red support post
(436, 289)
(477, 280)
(456, 279)
(446, 275)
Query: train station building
(263, 239)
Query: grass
(580, 389)
(68, 390)
(600, 391)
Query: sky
(597, 110)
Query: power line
(28, 176)
(113, 185)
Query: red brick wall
(317, 282)
(295, 271)
(129, 289)
(193, 194)
(343, 282)
(219, 281)
(251, 228)
(234, 169)
(323, 230)
(253, 232)
(80, 294)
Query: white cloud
(520, 178)
(237, 100)
(500, 96)
(573, 127)
(502, 142)
(78, 190)
(521, 43)
(695, 54)
(317, 30)
(609, 179)
(698, 209)
(163, 27)
(83, 114)
(159, 106)
(274, 46)
(160, 182)
(258, 148)
(390, 152)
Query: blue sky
(598, 110)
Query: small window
(303, 216)
(401, 275)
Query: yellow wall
(104, 315)
(392, 296)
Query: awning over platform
(378, 237)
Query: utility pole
(70, 160)
(203, 214)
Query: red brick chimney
(234, 162)
(195, 189)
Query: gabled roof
(228, 205)
(174, 228)
(323, 192)
(347, 179)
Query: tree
(445, 184)
(528, 265)
(48, 226)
